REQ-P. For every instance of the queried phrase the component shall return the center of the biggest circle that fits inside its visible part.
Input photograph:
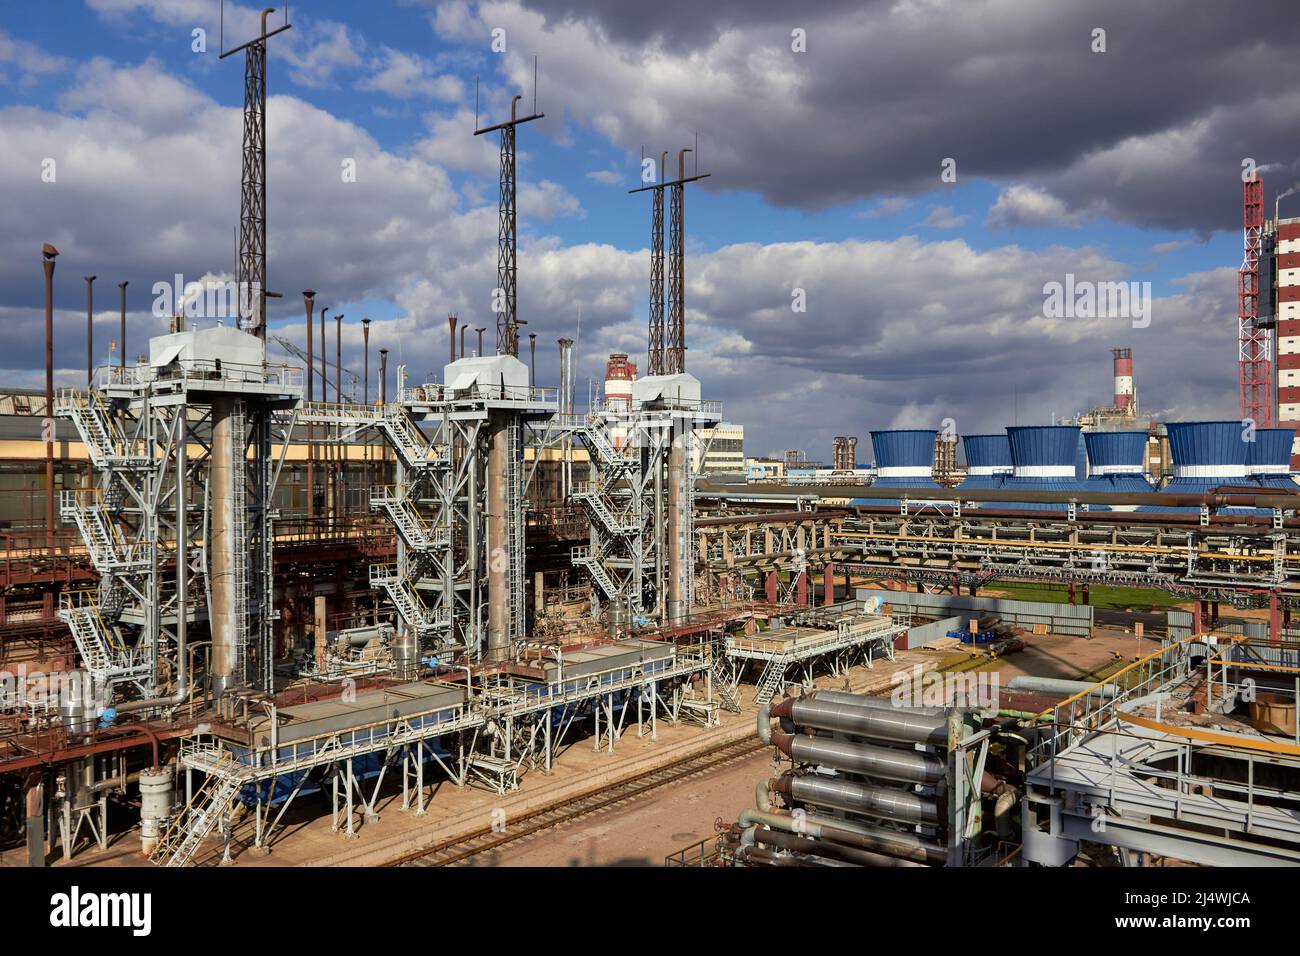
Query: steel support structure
(1255, 343)
(639, 502)
(151, 438)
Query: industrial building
(265, 611)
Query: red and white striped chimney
(1123, 377)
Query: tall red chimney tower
(1123, 379)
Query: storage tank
(156, 798)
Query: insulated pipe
(90, 330)
(869, 836)
(828, 849)
(765, 724)
(759, 856)
(887, 763)
(900, 805)
(309, 303)
(805, 827)
(121, 286)
(1054, 685)
(866, 700)
(50, 253)
(894, 724)
(224, 472)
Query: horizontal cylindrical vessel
(860, 798)
(897, 724)
(888, 763)
(867, 700)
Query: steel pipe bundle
(901, 805)
(873, 760)
(894, 724)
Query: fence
(1058, 618)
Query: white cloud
(1024, 205)
(405, 75)
(608, 177)
(30, 62)
(942, 217)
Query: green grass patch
(1136, 599)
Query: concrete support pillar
(498, 543)
(828, 584)
(1087, 595)
(226, 468)
(539, 594)
(35, 800)
(1072, 594)
(801, 589)
(770, 587)
(1198, 618)
(319, 631)
(1274, 617)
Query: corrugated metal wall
(1059, 618)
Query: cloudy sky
(914, 171)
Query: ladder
(515, 527)
(239, 538)
(771, 680)
(721, 682)
(210, 803)
(581, 557)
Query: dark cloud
(1152, 131)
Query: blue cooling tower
(904, 459)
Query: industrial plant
(268, 613)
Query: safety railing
(204, 370)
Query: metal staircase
(408, 441)
(407, 600)
(409, 523)
(598, 441)
(102, 651)
(94, 423)
(581, 557)
(210, 803)
(593, 495)
(771, 680)
(108, 551)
